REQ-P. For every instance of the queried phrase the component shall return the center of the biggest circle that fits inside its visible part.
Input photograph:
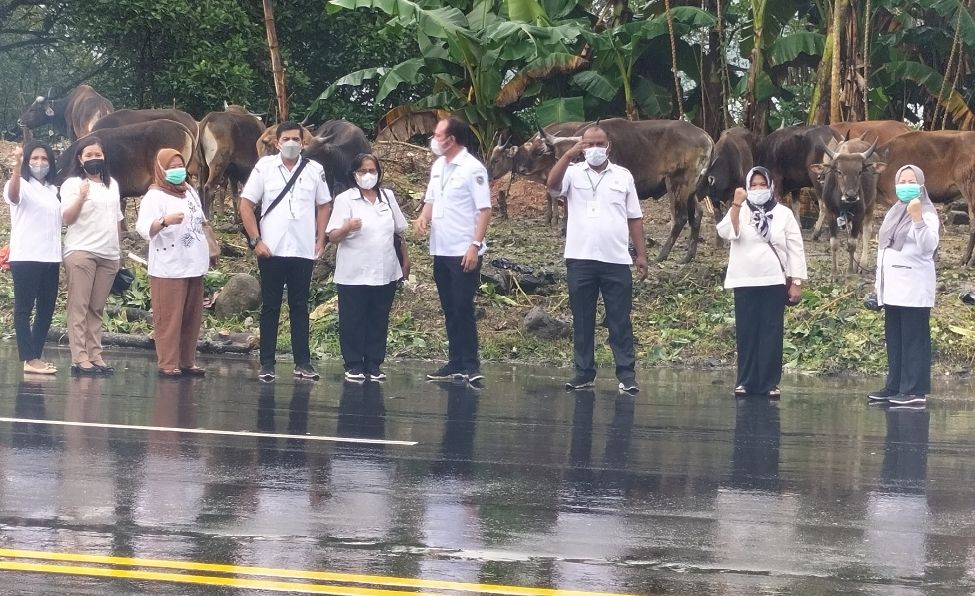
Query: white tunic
(366, 257)
(35, 222)
(751, 262)
(96, 229)
(600, 205)
(906, 277)
(178, 250)
(288, 230)
(458, 190)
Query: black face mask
(94, 166)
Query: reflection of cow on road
(664, 156)
(72, 116)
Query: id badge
(592, 209)
(438, 209)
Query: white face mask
(39, 171)
(290, 149)
(759, 196)
(436, 147)
(596, 156)
(366, 181)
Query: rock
(241, 293)
(499, 278)
(957, 218)
(541, 324)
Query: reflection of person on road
(457, 446)
(362, 412)
(618, 438)
(580, 446)
(755, 458)
(30, 404)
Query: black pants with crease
(276, 273)
(35, 291)
(907, 332)
(759, 333)
(364, 324)
(456, 289)
(587, 280)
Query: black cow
(788, 153)
(72, 116)
(730, 162)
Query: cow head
(536, 157)
(849, 173)
(267, 143)
(38, 113)
(501, 161)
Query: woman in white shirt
(365, 222)
(171, 219)
(91, 209)
(905, 288)
(765, 269)
(35, 250)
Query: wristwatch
(477, 243)
(796, 281)
(253, 242)
(162, 222)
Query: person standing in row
(294, 203)
(906, 287)
(35, 250)
(457, 210)
(171, 220)
(603, 216)
(366, 221)
(766, 255)
(91, 210)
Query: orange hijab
(159, 177)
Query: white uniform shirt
(906, 277)
(599, 207)
(96, 229)
(366, 257)
(288, 230)
(35, 222)
(751, 262)
(458, 191)
(178, 250)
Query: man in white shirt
(287, 241)
(603, 217)
(457, 209)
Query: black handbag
(123, 280)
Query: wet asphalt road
(677, 490)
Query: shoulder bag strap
(284, 191)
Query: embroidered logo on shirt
(479, 179)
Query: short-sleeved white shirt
(35, 222)
(96, 229)
(178, 250)
(599, 207)
(458, 190)
(288, 230)
(366, 257)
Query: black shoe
(580, 381)
(104, 368)
(355, 375)
(305, 371)
(445, 373)
(91, 371)
(908, 400)
(882, 395)
(267, 373)
(377, 375)
(741, 391)
(629, 385)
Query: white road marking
(209, 431)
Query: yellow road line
(376, 580)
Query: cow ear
(878, 167)
(710, 180)
(49, 112)
(818, 168)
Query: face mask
(759, 196)
(176, 175)
(596, 156)
(366, 181)
(907, 192)
(94, 166)
(436, 147)
(290, 149)
(39, 171)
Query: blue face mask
(907, 192)
(176, 175)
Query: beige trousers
(90, 280)
(177, 311)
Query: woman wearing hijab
(171, 219)
(905, 288)
(35, 250)
(365, 223)
(91, 211)
(765, 268)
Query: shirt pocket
(616, 193)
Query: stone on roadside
(541, 324)
(241, 293)
(957, 218)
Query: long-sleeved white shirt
(178, 250)
(752, 262)
(906, 277)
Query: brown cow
(533, 160)
(229, 143)
(72, 116)
(126, 117)
(267, 143)
(948, 162)
(664, 156)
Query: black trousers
(907, 331)
(456, 289)
(35, 291)
(364, 324)
(276, 273)
(759, 331)
(586, 281)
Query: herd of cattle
(844, 162)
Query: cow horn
(866, 154)
(225, 105)
(50, 92)
(549, 139)
(829, 152)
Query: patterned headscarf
(761, 214)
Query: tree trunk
(277, 70)
(754, 113)
(819, 107)
(835, 114)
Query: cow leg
(820, 218)
(834, 245)
(968, 260)
(694, 218)
(856, 229)
(678, 219)
(549, 209)
(865, 236)
(796, 204)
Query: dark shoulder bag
(258, 215)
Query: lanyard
(596, 185)
(291, 191)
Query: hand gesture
(353, 224)
(577, 149)
(83, 190)
(740, 196)
(18, 155)
(914, 209)
(171, 219)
